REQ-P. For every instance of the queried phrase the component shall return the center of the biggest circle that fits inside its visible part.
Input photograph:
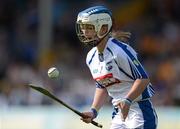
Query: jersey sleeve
(129, 64)
(90, 56)
(89, 59)
(98, 85)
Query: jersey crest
(109, 66)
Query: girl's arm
(99, 98)
(137, 88)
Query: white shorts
(141, 116)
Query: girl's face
(88, 31)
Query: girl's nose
(85, 32)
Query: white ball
(53, 72)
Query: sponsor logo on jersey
(107, 80)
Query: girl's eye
(89, 27)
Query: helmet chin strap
(96, 42)
(93, 43)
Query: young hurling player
(118, 73)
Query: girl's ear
(104, 30)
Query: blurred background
(38, 34)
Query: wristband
(95, 113)
(127, 101)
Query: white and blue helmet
(96, 16)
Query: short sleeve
(128, 62)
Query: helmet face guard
(91, 41)
(96, 16)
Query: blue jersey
(116, 69)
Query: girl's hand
(87, 117)
(124, 110)
(124, 106)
